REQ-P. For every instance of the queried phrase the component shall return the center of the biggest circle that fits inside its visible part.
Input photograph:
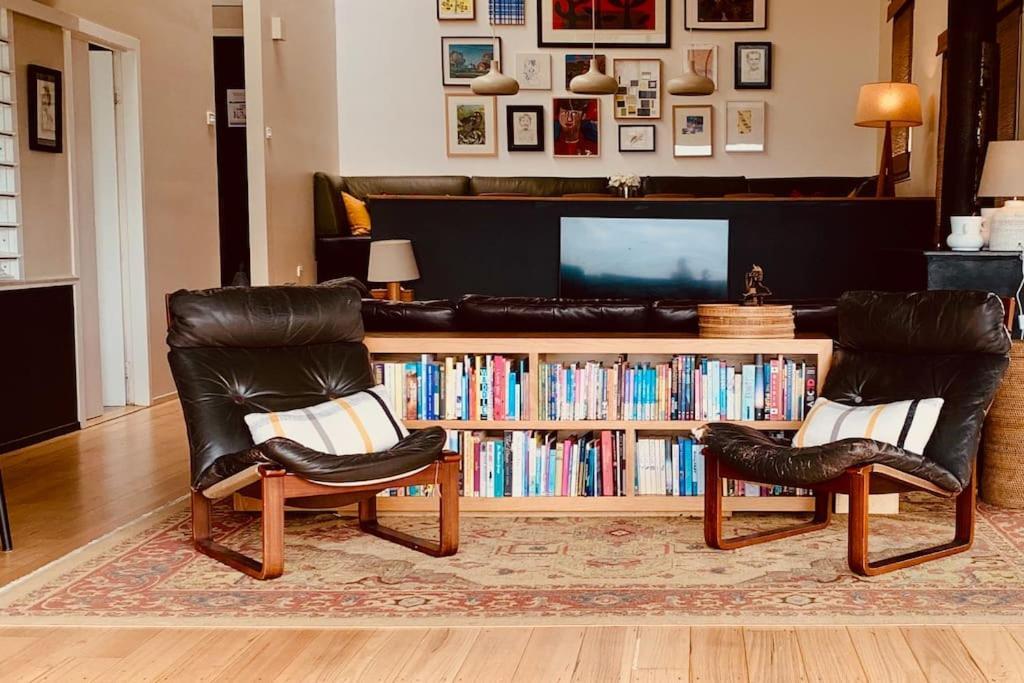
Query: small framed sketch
(639, 95)
(577, 65)
(745, 126)
(691, 131)
(456, 10)
(45, 110)
(463, 59)
(525, 127)
(533, 70)
(726, 15)
(753, 66)
(704, 61)
(635, 137)
(577, 126)
(471, 126)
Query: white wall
(391, 101)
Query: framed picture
(507, 12)
(726, 15)
(704, 61)
(463, 59)
(577, 126)
(524, 125)
(635, 137)
(691, 131)
(456, 10)
(639, 95)
(745, 126)
(629, 23)
(577, 65)
(753, 66)
(533, 70)
(45, 110)
(471, 126)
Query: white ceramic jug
(966, 233)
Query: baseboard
(164, 398)
(33, 439)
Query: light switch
(276, 28)
(211, 118)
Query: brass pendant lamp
(494, 82)
(594, 82)
(691, 83)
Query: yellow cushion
(358, 216)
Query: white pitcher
(966, 233)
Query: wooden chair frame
(277, 489)
(858, 483)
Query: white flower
(624, 181)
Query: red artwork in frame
(632, 15)
(577, 126)
(619, 23)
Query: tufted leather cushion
(706, 186)
(525, 314)
(408, 316)
(536, 186)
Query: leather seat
(536, 186)
(526, 314)
(380, 315)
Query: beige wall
(227, 17)
(45, 189)
(179, 155)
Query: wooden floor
(73, 489)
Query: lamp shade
(594, 82)
(898, 104)
(494, 82)
(1004, 170)
(392, 261)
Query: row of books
(686, 388)
(674, 466)
(485, 387)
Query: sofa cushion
(408, 316)
(904, 424)
(701, 186)
(536, 186)
(526, 314)
(357, 215)
(822, 186)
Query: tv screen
(644, 258)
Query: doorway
(232, 163)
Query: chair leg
(713, 510)
(448, 543)
(272, 531)
(6, 543)
(860, 489)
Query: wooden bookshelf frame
(537, 347)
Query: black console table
(991, 271)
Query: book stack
(486, 387)
(687, 387)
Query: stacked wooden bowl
(733, 321)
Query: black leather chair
(237, 351)
(891, 347)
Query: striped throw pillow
(906, 424)
(358, 423)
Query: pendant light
(494, 82)
(690, 84)
(594, 82)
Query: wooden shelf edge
(557, 425)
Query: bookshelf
(538, 348)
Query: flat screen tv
(644, 258)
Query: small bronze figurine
(756, 291)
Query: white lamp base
(1008, 227)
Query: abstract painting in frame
(620, 23)
(639, 95)
(525, 127)
(753, 66)
(745, 123)
(637, 137)
(456, 10)
(507, 12)
(691, 131)
(577, 127)
(463, 59)
(726, 15)
(577, 65)
(533, 70)
(471, 126)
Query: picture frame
(725, 15)
(506, 12)
(692, 131)
(650, 25)
(639, 95)
(533, 70)
(471, 125)
(703, 60)
(745, 126)
(463, 58)
(577, 127)
(579, 64)
(637, 137)
(456, 10)
(524, 127)
(45, 109)
(753, 66)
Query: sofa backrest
(699, 186)
(535, 186)
(822, 186)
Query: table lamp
(1004, 177)
(393, 262)
(888, 106)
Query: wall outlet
(211, 118)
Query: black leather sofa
(476, 313)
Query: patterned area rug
(529, 571)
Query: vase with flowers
(625, 184)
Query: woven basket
(732, 321)
(1002, 472)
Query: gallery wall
(391, 101)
